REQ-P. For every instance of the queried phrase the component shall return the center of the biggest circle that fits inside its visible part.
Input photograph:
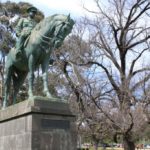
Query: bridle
(47, 39)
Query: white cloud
(61, 4)
(75, 7)
(69, 6)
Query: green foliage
(8, 10)
(20, 9)
(7, 42)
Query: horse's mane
(55, 17)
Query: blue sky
(49, 7)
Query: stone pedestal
(37, 125)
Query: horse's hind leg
(31, 76)
(45, 78)
(8, 73)
(18, 80)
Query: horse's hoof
(4, 106)
(14, 103)
(49, 95)
(31, 97)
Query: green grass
(108, 148)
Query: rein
(42, 37)
(46, 39)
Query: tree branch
(74, 88)
(133, 64)
(146, 78)
(114, 85)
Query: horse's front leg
(31, 76)
(45, 78)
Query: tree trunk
(128, 143)
(96, 142)
(95, 146)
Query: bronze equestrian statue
(45, 37)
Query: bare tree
(114, 58)
(121, 38)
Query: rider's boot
(19, 47)
(18, 52)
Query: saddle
(14, 52)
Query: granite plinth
(37, 125)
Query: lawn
(115, 149)
(108, 148)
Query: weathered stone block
(37, 125)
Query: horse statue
(45, 38)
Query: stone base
(37, 125)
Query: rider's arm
(19, 27)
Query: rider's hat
(32, 9)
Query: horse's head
(54, 28)
(63, 26)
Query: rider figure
(24, 28)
